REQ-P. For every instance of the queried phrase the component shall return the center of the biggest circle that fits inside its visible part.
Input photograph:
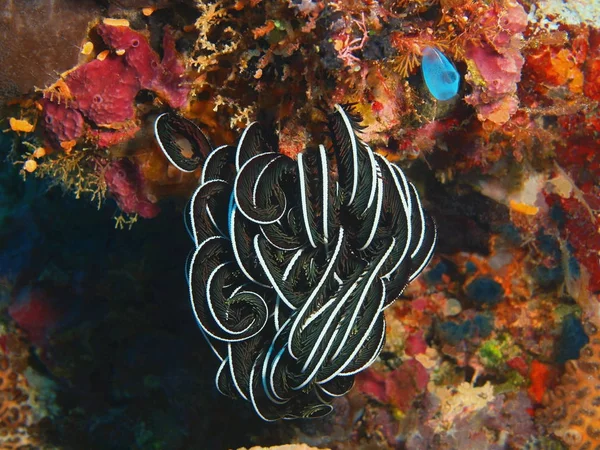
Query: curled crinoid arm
(182, 142)
(294, 267)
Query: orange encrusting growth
(572, 409)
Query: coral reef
(493, 346)
(20, 414)
(495, 61)
(124, 180)
(40, 39)
(104, 90)
(284, 447)
(572, 408)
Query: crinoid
(296, 260)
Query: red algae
(415, 344)
(580, 229)
(540, 375)
(495, 62)
(591, 85)
(500, 71)
(555, 67)
(398, 388)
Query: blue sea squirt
(296, 259)
(441, 77)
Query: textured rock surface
(573, 407)
(40, 40)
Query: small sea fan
(296, 260)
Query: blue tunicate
(485, 290)
(481, 326)
(574, 270)
(471, 267)
(548, 277)
(571, 340)
(436, 272)
(441, 77)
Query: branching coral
(264, 47)
(207, 52)
(77, 172)
(410, 49)
(346, 45)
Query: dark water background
(123, 354)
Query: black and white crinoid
(296, 260)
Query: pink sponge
(125, 182)
(62, 122)
(501, 72)
(495, 61)
(103, 91)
